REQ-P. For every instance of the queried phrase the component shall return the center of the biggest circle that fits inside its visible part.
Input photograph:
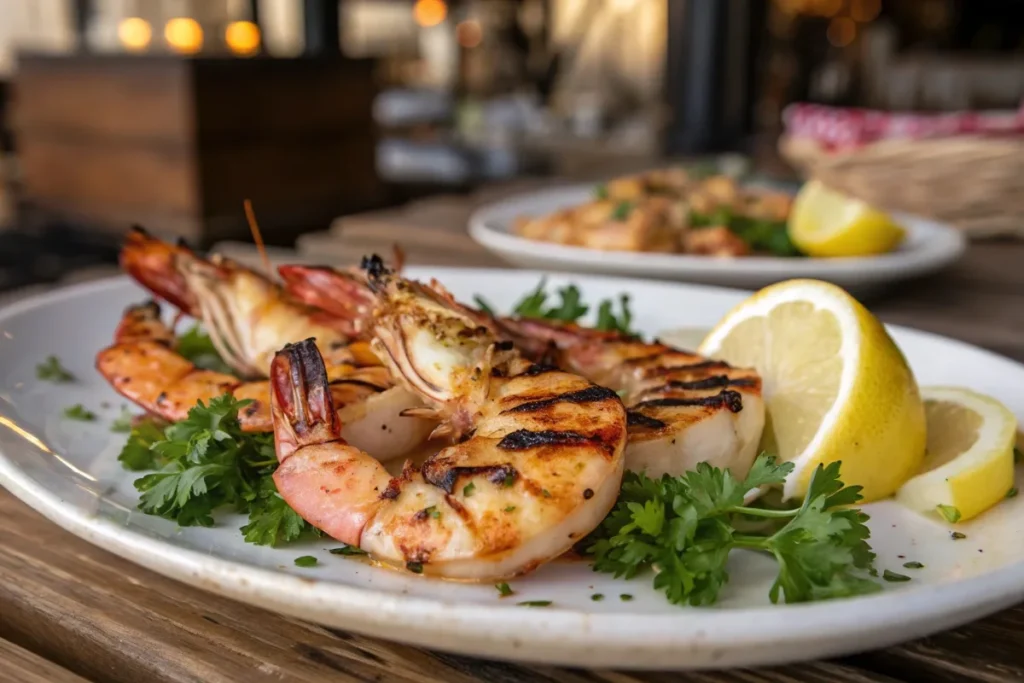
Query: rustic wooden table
(71, 612)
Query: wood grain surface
(80, 609)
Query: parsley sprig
(761, 234)
(569, 308)
(685, 527)
(197, 347)
(204, 464)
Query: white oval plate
(929, 246)
(68, 471)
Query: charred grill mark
(524, 439)
(713, 382)
(695, 367)
(636, 419)
(730, 399)
(641, 360)
(440, 474)
(591, 394)
(359, 383)
(538, 369)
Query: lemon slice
(836, 387)
(969, 464)
(826, 223)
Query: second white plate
(929, 247)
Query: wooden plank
(114, 622)
(18, 665)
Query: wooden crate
(176, 144)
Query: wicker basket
(975, 182)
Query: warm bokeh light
(865, 10)
(841, 31)
(242, 37)
(429, 12)
(828, 8)
(134, 33)
(469, 34)
(184, 34)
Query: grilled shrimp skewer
(143, 366)
(538, 466)
(683, 408)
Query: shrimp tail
(302, 406)
(153, 264)
(142, 322)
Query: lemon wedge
(826, 223)
(836, 386)
(969, 464)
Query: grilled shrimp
(537, 465)
(682, 408)
(247, 316)
(143, 366)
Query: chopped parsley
(468, 490)
(957, 536)
(761, 235)
(601, 192)
(122, 424)
(913, 565)
(80, 413)
(622, 210)
(347, 550)
(305, 561)
(504, 589)
(204, 464)
(414, 567)
(893, 577)
(597, 597)
(534, 603)
(950, 513)
(625, 597)
(685, 527)
(51, 370)
(570, 308)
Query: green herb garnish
(51, 370)
(414, 567)
(80, 413)
(347, 550)
(122, 424)
(893, 577)
(205, 463)
(761, 235)
(951, 514)
(684, 526)
(504, 589)
(510, 508)
(913, 565)
(597, 597)
(609, 321)
(601, 192)
(483, 305)
(468, 490)
(1012, 493)
(957, 536)
(305, 561)
(534, 603)
(622, 210)
(570, 308)
(197, 347)
(625, 597)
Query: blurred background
(169, 113)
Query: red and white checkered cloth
(837, 128)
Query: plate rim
(944, 245)
(677, 636)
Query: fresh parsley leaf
(305, 561)
(957, 536)
(80, 413)
(197, 347)
(597, 597)
(913, 565)
(684, 527)
(137, 454)
(414, 567)
(51, 370)
(601, 192)
(893, 577)
(483, 305)
(949, 512)
(534, 603)
(468, 490)
(271, 521)
(347, 550)
(622, 210)
(762, 235)
(570, 309)
(625, 597)
(609, 321)
(532, 305)
(1012, 493)
(504, 589)
(122, 424)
